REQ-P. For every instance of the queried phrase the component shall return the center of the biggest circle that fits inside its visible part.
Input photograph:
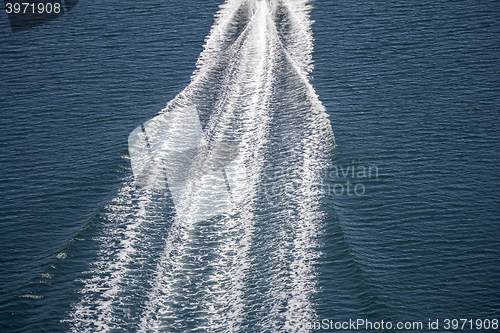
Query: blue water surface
(412, 91)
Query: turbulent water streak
(251, 267)
(130, 215)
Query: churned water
(362, 190)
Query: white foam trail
(95, 312)
(300, 309)
(202, 279)
(226, 303)
(223, 303)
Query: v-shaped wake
(218, 230)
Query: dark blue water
(412, 91)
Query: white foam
(223, 302)
(206, 267)
(95, 310)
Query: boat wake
(218, 230)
